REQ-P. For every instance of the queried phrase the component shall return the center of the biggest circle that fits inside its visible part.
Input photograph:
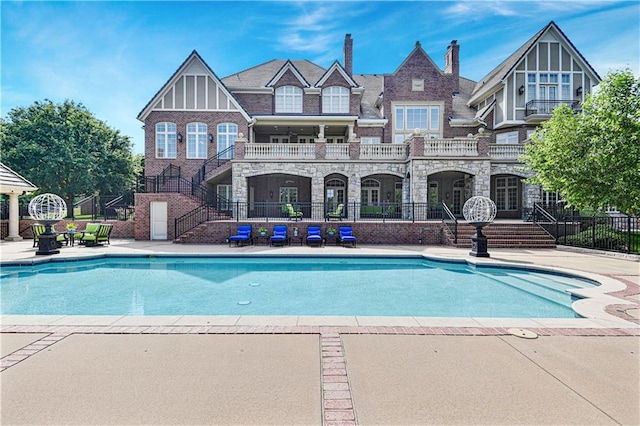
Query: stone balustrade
(462, 147)
(506, 151)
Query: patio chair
(37, 229)
(100, 236)
(337, 214)
(313, 236)
(91, 228)
(346, 236)
(243, 235)
(280, 235)
(292, 213)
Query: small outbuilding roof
(11, 181)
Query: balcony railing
(337, 151)
(451, 147)
(543, 107)
(283, 151)
(386, 151)
(505, 151)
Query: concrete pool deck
(339, 370)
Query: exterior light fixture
(579, 91)
(521, 90)
(210, 137)
(271, 195)
(180, 137)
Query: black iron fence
(619, 233)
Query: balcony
(506, 151)
(461, 147)
(385, 151)
(280, 151)
(540, 110)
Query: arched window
(370, 192)
(227, 135)
(196, 140)
(289, 99)
(335, 99)
(166, 140)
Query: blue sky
(114, 56)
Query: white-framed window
(166, 140)
(370, 192)
(507, 138)
(288, 99)
(546, 86)
(226, 197)
(550, 198)
(196, 140)
(279, 139)
(227, 135)
(335, 99)
(408, 118)
(288, 194)
(507, 193)
(370, 140)
(305, 139)
(530, 133)
(335, 139)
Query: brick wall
(153, 165)
(388, 233)
(177, 205)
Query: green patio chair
(101, 236)
(336, 214)
(37, 229)
(91, 228)
(292, 213)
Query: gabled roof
(11, 181)
(493, 80)
(288, 66)
(336, 67)
(261, 75)
(194, 56)
(417, 49)
(373, 86)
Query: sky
(114, 56)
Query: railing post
(593, 232)
(628, 233)
(413, 212)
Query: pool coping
(592, 305)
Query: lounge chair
(337, 214)
(280, 235)
(243, 235)
(292, 213)
(99, 237)
(38, 229)
(313, 236)
(346, 236)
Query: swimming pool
(204, 285)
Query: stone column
(14, 220)
(354, 196)
(317, 198)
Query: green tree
(64, 149)
(592, 158)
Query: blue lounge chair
(313, 236)
(280, 235)
(346, 236)
(243, 235)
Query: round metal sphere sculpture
(479, 209)
(47, 207)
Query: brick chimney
(452, 59)
(348, 54)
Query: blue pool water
(370, 286)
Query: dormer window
(288, 99)
(335, 100)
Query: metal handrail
(539, 210)
(208, 164)
(447, 215)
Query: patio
(311, 370)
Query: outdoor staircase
(504, 235)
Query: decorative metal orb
(47, 207)
(479, 209)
